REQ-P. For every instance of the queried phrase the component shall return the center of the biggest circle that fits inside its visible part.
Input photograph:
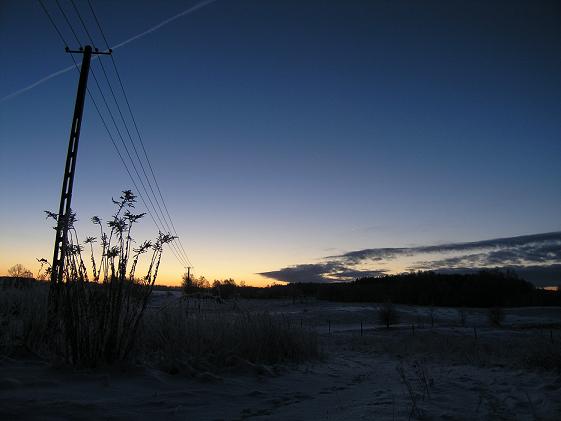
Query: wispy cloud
(330, 271)
(527, 251)
(376, 254)
(116, 46)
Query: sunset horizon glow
(290, 138)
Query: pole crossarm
(94, 51)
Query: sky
(285, 135)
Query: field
(433, 363)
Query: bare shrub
(96, 320)
(496, 316)
(19, 271)
(387, 314)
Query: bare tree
(19, 271)
(387, 314)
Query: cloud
(330, 271)
(544, 250)
(377, 254)
(528, 254)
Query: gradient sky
(282, 132)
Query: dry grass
(22, 318)
(177, 340)
(528, 350)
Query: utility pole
(61, 238)
(188, 275)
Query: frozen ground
(418, 369)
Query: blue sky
(284, 132)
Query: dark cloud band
(527, 251)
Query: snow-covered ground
(416, 369)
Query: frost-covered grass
(176, 339)
(529, 349)
(23, 312)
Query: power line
(165, 222)
(137, 130)
(82, 21)
(103, 121)
(181, 260)
(68, 22)
(53, 23)
(172, 229)
(123, 160)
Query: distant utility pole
(61, 238)
(188, 274)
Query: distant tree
(19, 271)
(224, 289)
(228, 281)
(202, 282)
(187, 284)
(496, 316)
(228, 288)
(387, 314)
(190, 285)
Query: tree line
(486, 288)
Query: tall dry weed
(95, 320)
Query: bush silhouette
(387, 314)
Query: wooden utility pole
(64, 210)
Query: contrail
(39, 82)
(121, 44)
(165, 22)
